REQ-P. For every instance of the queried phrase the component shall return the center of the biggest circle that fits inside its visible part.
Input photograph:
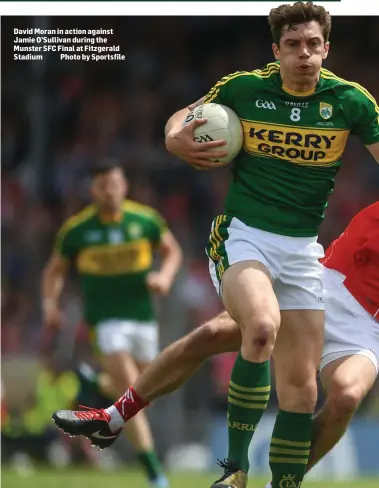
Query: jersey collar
(298, 94)
(111, 219)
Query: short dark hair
(105, 166)
(298, 13)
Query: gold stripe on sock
(283, 442)
(248, 389)
(285, 450)
(246, 396)
(258, 406)
(285, 460)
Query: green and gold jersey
(112, 260)
(293, 146)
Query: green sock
(290, 447)
(249, 391)
(151, 464)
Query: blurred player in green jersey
(111, 244)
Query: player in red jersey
(349, 363)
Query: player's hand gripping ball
(222, 123)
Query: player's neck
(292, 87)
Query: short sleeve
(64, 244)
(228, 89)
(157, 226)
(365, 115)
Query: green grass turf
(86, 478)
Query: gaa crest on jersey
(115, 236)
(326, 110)
(134, 230)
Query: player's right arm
(53, 279)
(180, 139)
(54, 276)
(180, 142)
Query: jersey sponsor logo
(297, 104)
(265, 104)
(326, 110)
(298, 145)
(115, 259)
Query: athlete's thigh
(248, 295)
(299, 343)
(298, 346)
(242, 266)
(356, 373)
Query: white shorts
(349, 328)
(139, 339)
(293, 262)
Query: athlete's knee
(298, 391)
(344, 399)
(258, 338)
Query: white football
(222, 124)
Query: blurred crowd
(59, 116)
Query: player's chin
(304, 73)
(112, 204)
(307, 71)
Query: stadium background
(57, 117)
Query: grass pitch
(86, 478)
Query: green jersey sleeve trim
(220, 86)
(226, 79)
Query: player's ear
(276, 51)
(326, 50)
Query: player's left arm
(171, 256)
(366, 120)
